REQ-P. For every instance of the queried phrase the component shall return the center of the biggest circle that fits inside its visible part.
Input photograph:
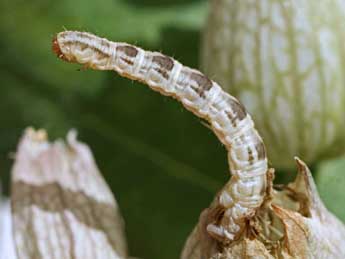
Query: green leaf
(331, 181)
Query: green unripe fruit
(285, 60)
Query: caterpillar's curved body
(228, 118)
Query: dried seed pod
(228, 118)
(284, 60)
(61, 206)
(293, 223)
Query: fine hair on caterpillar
(245, 191)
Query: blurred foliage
(331, 182)
(162, 164)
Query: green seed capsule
(285, 60)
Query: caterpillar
(228, 118)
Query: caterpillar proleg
(234, 127)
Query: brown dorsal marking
(203, 82)
(232, 118)
(85, 35)
(250, 155)
(105, 43)
(237, 113)
(101, 54)
(129, 62)
(165, 63)
(260, 149)
(238, 109)
(130, 51)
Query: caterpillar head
(82, 48)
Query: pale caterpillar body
(205, 98)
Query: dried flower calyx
(293, 223)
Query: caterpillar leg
(220, 233)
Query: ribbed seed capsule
(284, 60)
(204, 97)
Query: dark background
(162, 164)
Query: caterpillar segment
(245, 191)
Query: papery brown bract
(61, 205)
(309, 230)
